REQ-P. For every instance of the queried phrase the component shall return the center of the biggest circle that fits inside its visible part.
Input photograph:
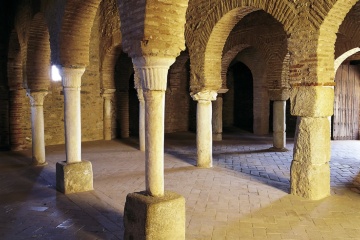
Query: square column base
(74, 177)
(154, 218)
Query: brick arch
(210, 33)
(327, 38)
(38, 55)
(75, 32)
(14, 64)
(227, 59)
(344, 56)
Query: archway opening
(243, 97)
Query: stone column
(141, 119)
(204, 127)
(310, 171)
(217, 113)
(37, 126)
(74, 175)
(108, 95)
(153, 77)
(279, 125)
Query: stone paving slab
(244, 196)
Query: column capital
(36, 97)
(279, 94)
(107, 92)
(222, 90)
(140, 94)
(204, 96)
(71, 77)
(152, 72)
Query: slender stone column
(108, 95)
(141, 119)
(217, 115)
(74, 175)
(153, 77)
(37, 126)
(279, 125)
(204, 127)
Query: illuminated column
(73, 175)
(37, 126)
(108, 95)
(141, 119)
(204, 127)
(217, 117)
(153, 77)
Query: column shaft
(204, 127)
(154, 141)
(279, 124)
(37, 126)
(72, 116)
(217, 118)
(107, 94)
(107, 119)
(141, 120)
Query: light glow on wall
(55, 73)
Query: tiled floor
(244, 196)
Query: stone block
(314, 101)
(310, 181)
(154, 218)
(312, 145)
(74, 177)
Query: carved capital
(107, 92)
(71, 77)
(204, 96)
(153, 72)
(36, 97)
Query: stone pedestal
(108, 95)
(37, 126)
(75, 175)
(154, 218)
(310, 171)
(279, 125)
(204, 127)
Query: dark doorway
(243, 97)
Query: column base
(275, 149)
(74, 177)
(217, 136)
(152, 218)
(39, 164)
(310, 181)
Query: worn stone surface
(154, 218)
(310, 181)
(74, 177)
(312, 101)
